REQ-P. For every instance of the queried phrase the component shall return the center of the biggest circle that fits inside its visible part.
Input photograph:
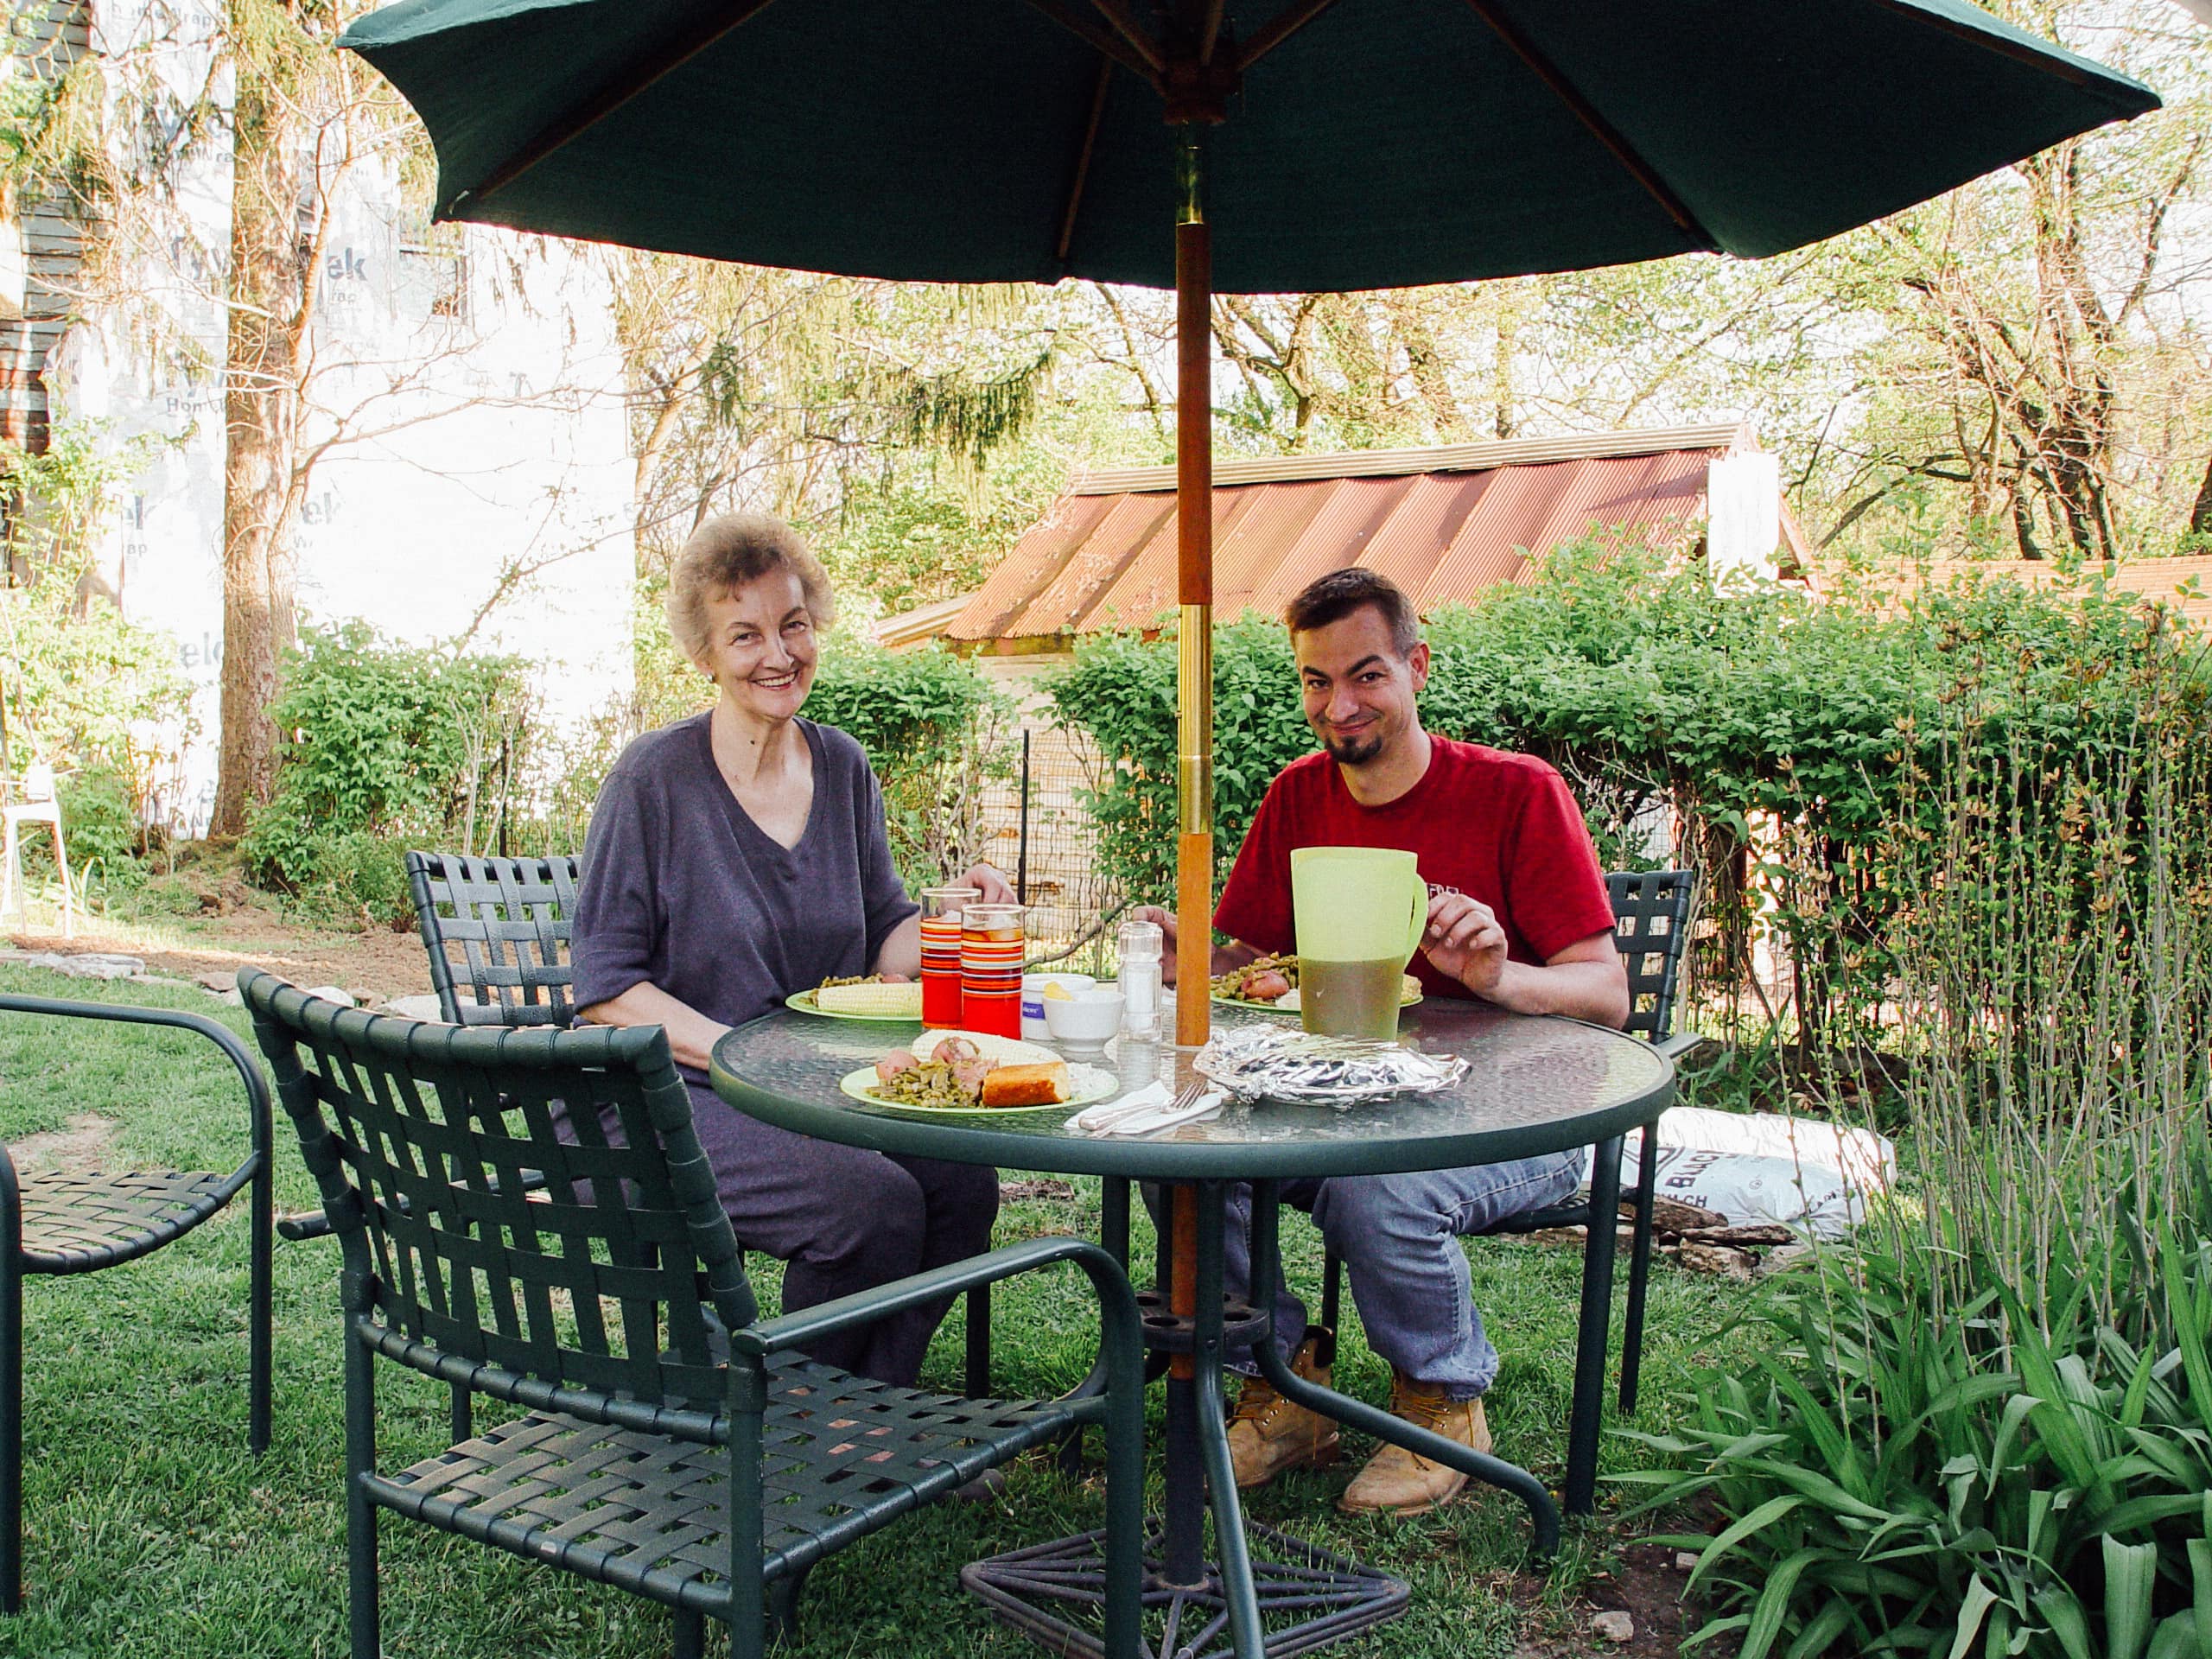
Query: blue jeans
(1399, 1237)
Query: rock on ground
(1786, 1257)
(1716, 1259)
(1615, 1627)
(88, 964)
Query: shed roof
(2185, 584)
(1444, 522)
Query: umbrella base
(1055, 1593)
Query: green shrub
(1898, 1481)
(101, 820)
(383, 744)
(934, 730)
(1987, 1427)
(79, 686)
(1121, 692)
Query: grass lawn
(149, 1530)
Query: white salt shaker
(1140, 980)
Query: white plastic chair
(34, 802)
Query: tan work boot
(1269, 1433)
(1402, 1483)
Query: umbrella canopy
(1357, 144)
(1369, 143)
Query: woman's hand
(994, 886)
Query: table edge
(971, 1142)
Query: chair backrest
(1651, 917)
(419, 1136)
(497, 930)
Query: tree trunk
(2200, 516)
(261, 419)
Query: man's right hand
(1225, 958)
(1165, 919)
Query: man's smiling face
(1359, 693)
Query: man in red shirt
(1517, 916)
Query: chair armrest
(259, 1114)
(1115, 1300)
(1682, 1043)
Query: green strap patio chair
(54, 1224)
(658, 1435)
(1652, 914)
(497, 930)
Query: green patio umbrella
(1346, 144)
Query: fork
(1186, 1101)
(1114, 1116)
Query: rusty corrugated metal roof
(1444, 523)
(2185, 584)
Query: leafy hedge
(383, 744)
(933, 729)
(81, 680)
(1785, 732)
(383, 740)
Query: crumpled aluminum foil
(1271, 1062)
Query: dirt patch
(1644, 1582)
(1646, 1585)
(79, 1149)
(375, 964)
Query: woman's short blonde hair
(725, 554)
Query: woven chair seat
(78, 1224)
(841, 1456)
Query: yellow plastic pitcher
(1360, 912)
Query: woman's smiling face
(761, 647)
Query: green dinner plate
(804, 1002)
(1404, 1002)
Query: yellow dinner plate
(1092, 1085)
(860, 1084)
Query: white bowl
(1034, 1001)
(1090, 1017)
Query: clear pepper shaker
(1140, 980)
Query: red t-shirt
(1500, 827)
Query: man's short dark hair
(1337, 595)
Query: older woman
(740, 855)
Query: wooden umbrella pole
(1194, 592)
(1183, 1264)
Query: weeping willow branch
(966, 418)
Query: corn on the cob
(882, 1001)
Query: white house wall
(479, 377)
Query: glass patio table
(1533, 1086)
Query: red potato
(1266, 987)
(970, 1071)
(950, 1049)
(892, 1063)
